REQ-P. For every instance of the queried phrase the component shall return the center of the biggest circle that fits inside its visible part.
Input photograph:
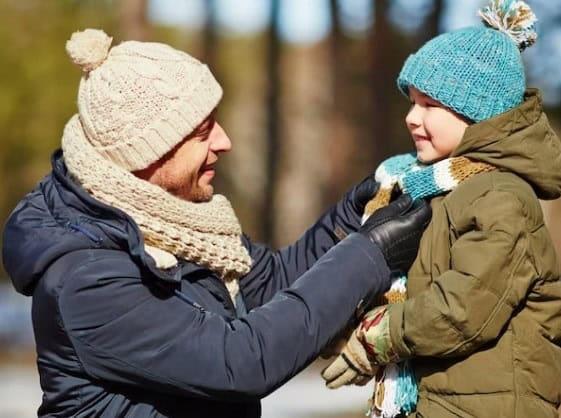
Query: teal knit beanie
(476, 71)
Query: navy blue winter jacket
(117, 337)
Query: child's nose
(413, 118)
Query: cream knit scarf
(208, 233)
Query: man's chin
(202, 195)
(202, 199)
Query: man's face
(188, 169)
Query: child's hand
(368, 347)
(374, 335)
(351, 367)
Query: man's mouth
(208, 170)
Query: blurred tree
(133, 21)
(381, 54)
(210, 35)
(432, 22)
(342, 141)
(335, 46)
(273, 119)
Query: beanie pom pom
(514, 18)
(89, 48)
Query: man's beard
(200, 194)
(194, 193)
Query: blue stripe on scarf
(420, 184)
(399, 164)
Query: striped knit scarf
(395, 390)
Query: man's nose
(219, 140)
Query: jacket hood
(58, 218)
(520, 141)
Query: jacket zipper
(187, 299)
(181, 296)
(90, 235)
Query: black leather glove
(397, 229)
(363, 192)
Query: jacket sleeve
(275, 270)
(127, 333)
(468, 306)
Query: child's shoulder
(494, 194)
(487, 185)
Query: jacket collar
(520, 141)
(118, 228)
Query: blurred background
(310, 103)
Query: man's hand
(351, 367)
(363, 192)
(397, 230)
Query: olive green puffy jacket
(483, 320)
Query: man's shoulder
(86, 266)
(94, 286)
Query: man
(147, 300)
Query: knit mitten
(374, 334)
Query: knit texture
(419, 180)
(476, 71)
(208, 233)
(395, 389)
(138, 100)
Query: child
(474, 330)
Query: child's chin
(429, 159)
(424, 159)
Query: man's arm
(127, 333)
(275, 270)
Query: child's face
(436, 130)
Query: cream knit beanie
(138, 100)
